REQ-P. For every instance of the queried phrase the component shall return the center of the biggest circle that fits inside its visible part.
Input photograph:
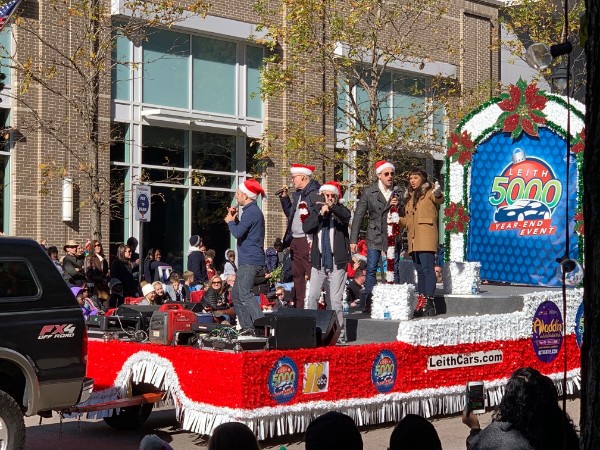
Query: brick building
(178, 111)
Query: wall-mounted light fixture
(67, 199)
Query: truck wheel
(12, 425)
(129, 418)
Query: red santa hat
(251, 188)
(301, 169)
(333, 187)
(380, 166)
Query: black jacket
(309, 195)
(341, 241)
(196, 264)
(121, 270)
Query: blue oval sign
(383, 373)
(283, 380)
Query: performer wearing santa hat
(249, 231)
(374, 202)
(328, 223)
(296, 210)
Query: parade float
(506, 219)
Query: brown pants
(300, 254)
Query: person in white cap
(296, 208)
(249, 231)
(375, 202)
(328, 224)
(149, 295)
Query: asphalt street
(94, 434)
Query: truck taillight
(84, 345)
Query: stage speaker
(140, 313)
(287, 331)
(328, 327)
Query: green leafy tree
(331, 62)
(75, 76)
(543, 21)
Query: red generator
(167, 321)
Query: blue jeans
(373, 260)
(424, 263)
(247, 309)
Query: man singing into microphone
(375, 201)
(250, 234)
(295, 209)
(330, 251)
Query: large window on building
(254, 58)
(214, 155)
(164, 154)
(192, 72)
(120, 71)
(400, 96)
(214, 76)
(166, 69)
(119, 176)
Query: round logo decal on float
(547, 330)
(383, 373)
(579, 325)
(283, 380)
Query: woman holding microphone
(421, 222)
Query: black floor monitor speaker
(328, 327)
(287, 331)
(141, 313)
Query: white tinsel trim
(280, 420)
(391, 252)
(400, 300)
(456, 182)
(457, 246)
(459, 277)
(487, 328)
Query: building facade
(179, 111)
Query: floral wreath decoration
(522, 109)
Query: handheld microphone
(282, 190)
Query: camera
(475, 398)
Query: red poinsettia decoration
(523, 109)
(461, 147)
(579, 222)
(578, 143)
(456, 218)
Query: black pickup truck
(43, 340)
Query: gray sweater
(497, 436)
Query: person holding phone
(528, 418)
(328, 224)
(421, 221)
